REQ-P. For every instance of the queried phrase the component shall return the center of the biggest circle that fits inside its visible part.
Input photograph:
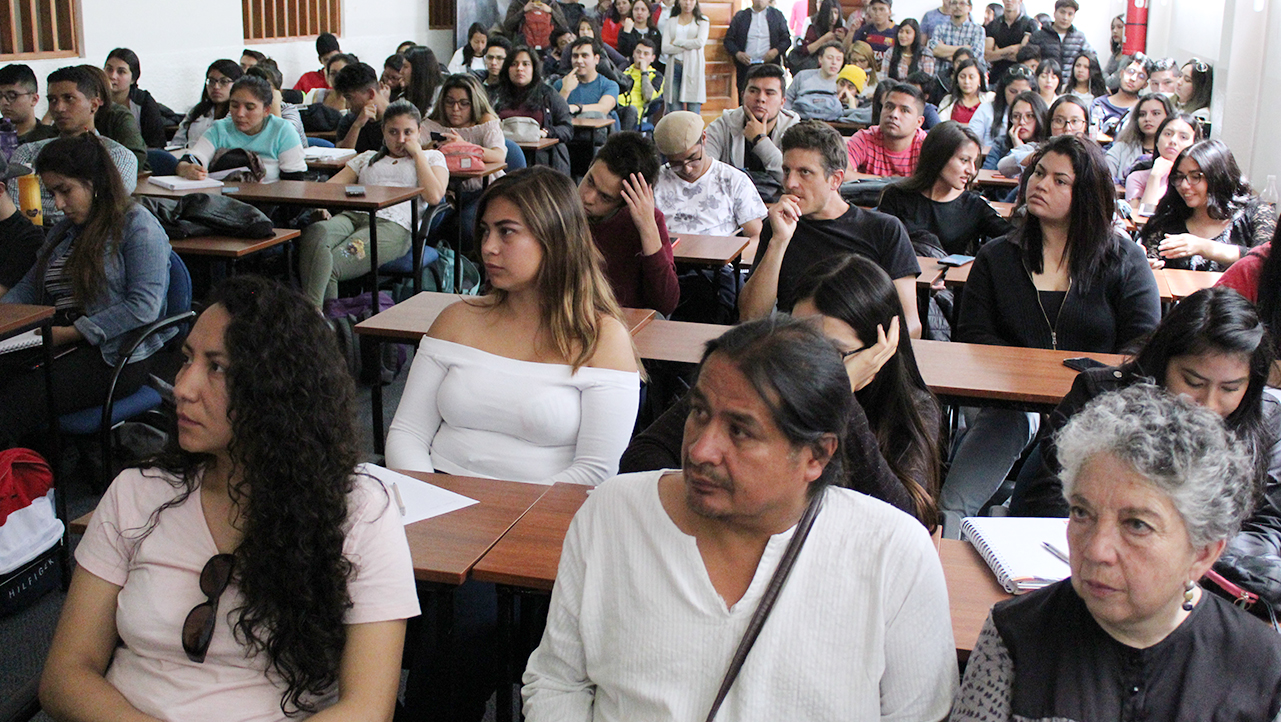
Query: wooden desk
(409, 321)
(1182, 284)
(229, 248)
(1004, 209)
(972, 589)
(846, 128)
(593, 123)
(456, 180)
(330, 166)
(527, 556)
(680, 341)
(712, 251)
(529, 148)
(330, 135)
(1030, 379)
(992, 179)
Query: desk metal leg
(507, 646)
(55, 454)
(457, 187)
(373, 259)
(417, 254)
(375, 394)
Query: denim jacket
(137, 276)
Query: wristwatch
(757, 139)
(576, 112)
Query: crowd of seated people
(810, 413)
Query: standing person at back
(756, 35)
(892, 147)
(935, 17)
(326, 46)
(697, 193)
(749, 137)
(1061, 40)
(812, 225)
(878, 30)
(959, 32)
(627, 229)
(1006, 35)
(684, 38)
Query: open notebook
(1015, 549)
(30, 339)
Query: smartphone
(355, 190)
(956, 259)
(438, 137)
(1083, 363)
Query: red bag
(462, 157)
(30, 532)
(538, 29)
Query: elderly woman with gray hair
(1157, 485)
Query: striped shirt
(869, 155)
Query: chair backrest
(179, 297)
(515, 156)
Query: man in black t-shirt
(811, 227)
(19, 240)
(1005, 35)
(361, 127)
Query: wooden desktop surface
(329, 165)
(17, 318)
(707, 250)
(487, 169)
(1034, 377)
(972, 589)
(409, 320)
(539, 144)
(993, 179)
(228, 247)
(528, 555)
(580, 122)
(1181, 284)
(307, 193)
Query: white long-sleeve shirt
(636, 631)
(469, 412)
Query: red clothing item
(1243, 276)
(962, 114)
(868, 154)
(609, 32)
(638, 281)
(311, 81)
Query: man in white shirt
(662, 571)
(698, 193)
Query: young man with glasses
(496, 51)
(362, 126)
(1107, 113)
(627, 228)
(697, 193)
(19, 95)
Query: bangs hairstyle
(1051, 66)
(900, 408)
(480, 107)
(799, 376)
(1040, 114)
(85, 159)
(572, 289)
(294, 446)
(1130, 133)
(1226, 191)
(130, 58)
(1218, 320)
(518, 95)
(941, 143)
(861, 50)
(1061, 101)
(227, 68)
(1095, 85)
(1090, 237)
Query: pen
(395, 490)
(1058, 554)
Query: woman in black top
(937, 197)
(521, 92)
(123, 69)
(1063, 279)
(1207, 218)
(893, 443)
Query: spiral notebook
(1015, 549)
(30, 339)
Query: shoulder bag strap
(776, 583)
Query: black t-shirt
(371, 135)
(820, 244)
(959, 224)
(19, 243)
(1004, 35)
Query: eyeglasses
(1022, 117)
(1019, 71)
(1072, 124)
(496, 58)
(689, 163)
(197, 629)
(464, 103)
(11, 96)
(218, 82)
(1195, 178)
(846, 354)
(1135, 72)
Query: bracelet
(757, 139)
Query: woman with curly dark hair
(248, 572)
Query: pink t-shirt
(868, 154)
(160, 583)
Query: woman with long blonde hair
(537, 380)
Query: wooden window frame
(442, 14)
(278, 21)
(58, 29)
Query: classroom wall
(189, 34)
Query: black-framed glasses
(846, 354)
(1195, 177)
(11, 96)
(1072, 123)
(198, 628)
(691, 162)
(218, 82)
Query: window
(39, 29)
(290, 19)
(441, 13)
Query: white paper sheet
(421, 500)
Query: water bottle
(1269, 194)
(8, 139)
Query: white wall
(189, 34)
